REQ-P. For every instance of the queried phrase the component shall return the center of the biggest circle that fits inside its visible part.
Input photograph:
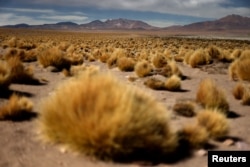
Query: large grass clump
(143, 68)
(4, 75)
(215, 123)
(211, 96)
(19, 73)
(54, 57)
(240, 68)
(199, 57)
(17, 108)
(126, 64)
(106, 119)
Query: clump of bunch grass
(195, 135)
(159, 60)
(77, 70)
(155, 83)
(214, 121)
(173, 83)
(240, 68)
(16, 108)
(126, 64)
(18, 72)
(143, 68)
(54, 57)
(106, 119)
(239, 90)
(199, 57)
(246, 96)
(211, 96)
(185, 108)
(5, 72)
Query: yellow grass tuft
(238, 91)
(20, 74)
(246, 97)
(185, 108)
(236, 53)
(214, 121)
(54, 57)
(211, 96)
(16, 108)
(174, 68)
(126, 64)
(196, 136)
(159, 60)
(199, 57)
(154, 83)
(143, 68)
(4, 75)
(106, 119)
(173, 83)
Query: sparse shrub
(214, 52)
(106, 119)
(238, 90)
(112, 61)
(246, 97)
(240, 69)
(54, 57)
(4, 75)
(214, 121)
(159, 60)
(16, 108)
(20, 74)
(211, 96)
(143, 68)
(154, 83)
(77, 70)
(174, 68)
(199, 57)
(104, 57)
(165, 71)
(173, 83)
(187, 56)
(126, 64)
(185, 108)
(13, 42)
(196, 136)
(63, 46)
(236, 54)
(245, 54)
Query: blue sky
(159, 13)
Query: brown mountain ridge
(230, 22)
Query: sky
(160, 13)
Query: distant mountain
(118, 24)
(230, 22)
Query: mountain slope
(230, 22)
(118, 24)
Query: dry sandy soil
(20, 146)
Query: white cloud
(27, 10)
(56, 18)
(161, 23)
(11, 19)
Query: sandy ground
(20, 146)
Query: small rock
(52, 69)
(228, 142)
(63, 150)
(132, 78)
(201, 153)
